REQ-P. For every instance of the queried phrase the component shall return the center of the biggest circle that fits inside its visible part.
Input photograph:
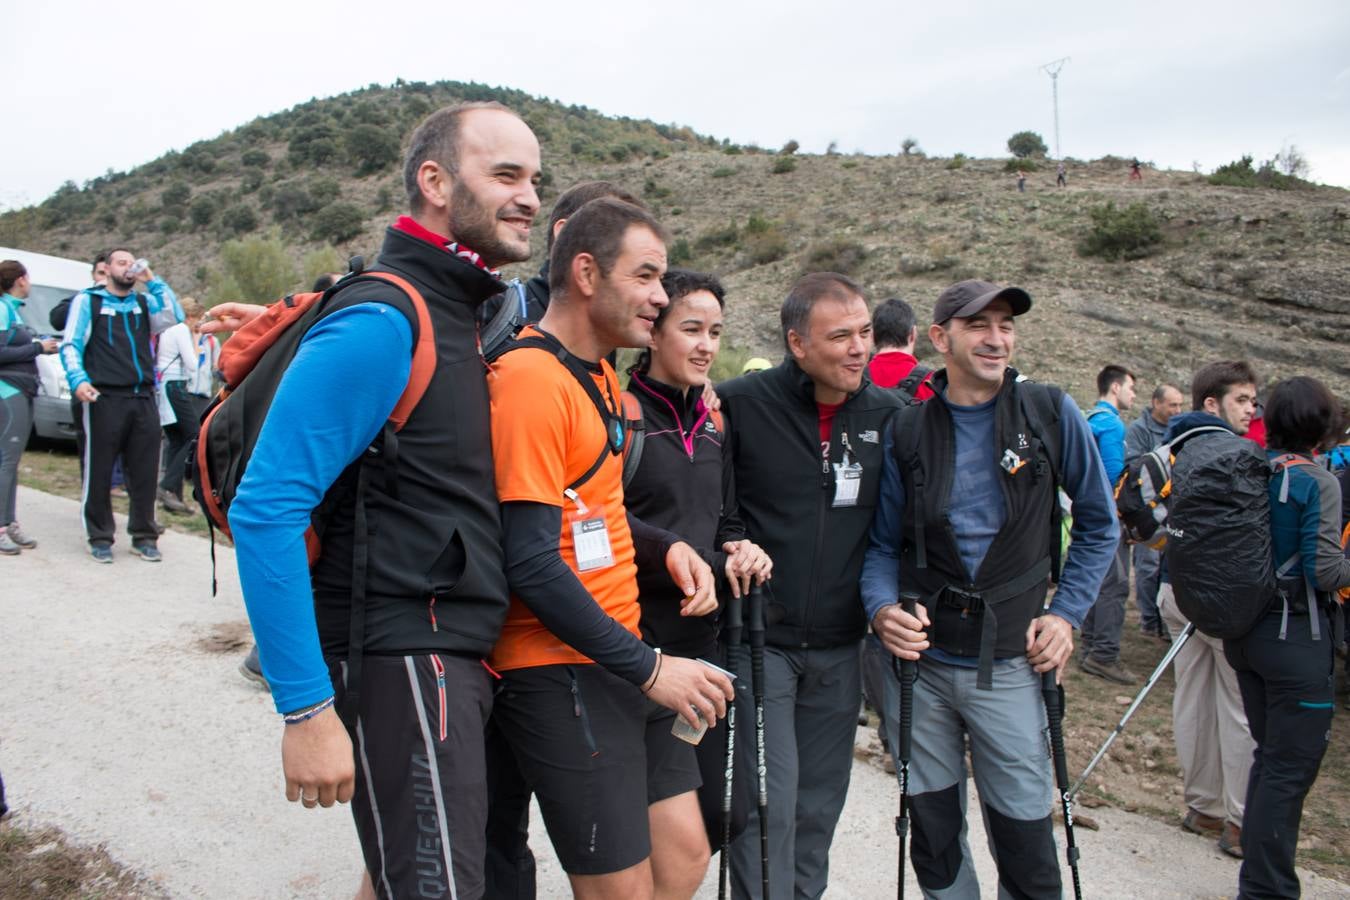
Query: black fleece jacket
(785, 491)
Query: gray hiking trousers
(1010, 752)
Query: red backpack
(253, 363)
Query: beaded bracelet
(296, 718)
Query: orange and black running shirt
(546, 433)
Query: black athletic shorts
(579, 735)
(421, 799)
(672, 764)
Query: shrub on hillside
(956, 162)
(251, 180)
(324, 190)
(338, 222)
(1241, 173)
(766, 246)
(254, 269)
(790, 148)
(718, 237)
(837, 255)
(784, 164)
(910, 147)
(174, 197)
(315, 144)
(723, 172)
(290, 201)
(371, 148)
(1130, 233)
(202, 211)
(255, 158)
(69, 203)
(1020, 165)
(680, 252)
(239, 219)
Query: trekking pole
(1148, 686)
(731, 633)
(1054, 714)
(906, 670)
(756, 626)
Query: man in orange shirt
(574, 667)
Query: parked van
(54, 279)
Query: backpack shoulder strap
(910, 385)
(1041, 405)
(510, 315)
(906, 428)
(636, 435)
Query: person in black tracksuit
(804, 440)
(682, 485)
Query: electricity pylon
(1052, 69)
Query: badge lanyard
(590, 535)
(847, 475)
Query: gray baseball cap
(966, 298)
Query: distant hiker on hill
(1021, 182)
(1102, 626)
(111, 371)
(1214, 744)
(412, 688)
(1061, 176)
(967, 518)
(804, 439)
(1284, 665)
(1145, 433)
(1135, 173)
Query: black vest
(117, 356)
(434, 579)
(987, 617)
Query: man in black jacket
(804, 441)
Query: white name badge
(590, 541)
(847, 480)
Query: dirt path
(124, 722)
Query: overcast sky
(95, 86)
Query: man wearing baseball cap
(968, 519)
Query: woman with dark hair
(19, 347)
(682, 486)
(1284, 664)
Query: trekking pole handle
(755, 613)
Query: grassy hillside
(1235, 271)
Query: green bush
(790, 148)
(239, 219)
(315, 144)
(763, 247)
(837, 255)
(956, 162)
(371, 148)
(251, 180)
(324, 190)
(338, 222)
(680, 252)
(254, 269)
(1130, 233)
(1241, 173)
(723, 172)
(255, 158)
(290, 201)
(784, 164)
(718, 237)
(170, 224)
(1027, 143)
(910, 147)
(202, 211)
(174, 197)
(1020, 165)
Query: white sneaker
(7, 545)
(17, 535)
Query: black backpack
(908, 388)
(1218, 534)
(1144, 487)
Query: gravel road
(123, 722)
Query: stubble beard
(475, 226)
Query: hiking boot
(1230, 841)
(7, 545)
(17, 535)
(102, 553)
(251, 669)
(172, 502)
(1110, 671)
(146, 551)
(1197, 822)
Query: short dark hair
(577, 196)
(1112, 375)
(796, 312)
(437, 139)
(1218, 378)
(1302, 415)
(892, 322)
(598, 229)
(99, 257)
(1160, 392)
